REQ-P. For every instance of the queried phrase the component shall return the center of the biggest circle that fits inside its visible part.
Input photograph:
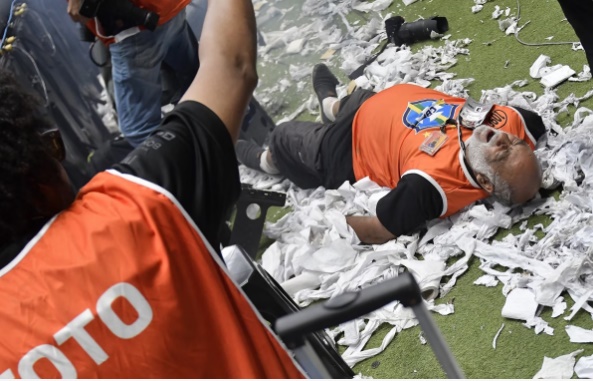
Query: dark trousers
(579, 14)
(297, 146)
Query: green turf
(495, 60)
(470, 332)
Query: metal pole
(436, 341)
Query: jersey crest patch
(428, 113)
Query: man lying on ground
(409, 139)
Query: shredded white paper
(579, 335)
(316, 255)
(584, 367)
(558, 368)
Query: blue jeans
(196, 12)
(137, 74)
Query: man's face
(495, 147)
(497, 153)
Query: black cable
(92, 57)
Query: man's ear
(485, 182)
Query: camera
(118, 15)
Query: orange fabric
(386, 139)
(197, 323)
(166, 9)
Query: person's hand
(73, 11)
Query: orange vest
(389, 129)
(123, 285)
(166, 9)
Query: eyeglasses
(53, 140)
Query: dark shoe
(324, 84)
(248, 153)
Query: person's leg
(324, 85)
(293, 152)
(182, 51)
(251, 155)
(137, 82)
(336, 152)
(579, 14)
(352, 102)
(330, 107)
(195, 12)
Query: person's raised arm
(227, 74)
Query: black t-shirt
(191, 155)
(415, 201)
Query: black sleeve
(533, 121)
(410, 205)
(191, 155)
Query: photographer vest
(123, 285)
(391, 126)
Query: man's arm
(227, 74)
(191, 154)
(402, 211)
(74, 11)
(369, 229)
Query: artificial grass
(469, 332)
(495, 60)
(489, 51)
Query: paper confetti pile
(316, 254)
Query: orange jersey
(166, 9)
(123, 285)
(390, 127)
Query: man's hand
(369, 229)
(74, 11)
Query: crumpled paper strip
(556, 263)
(558, 368)
(584, 367)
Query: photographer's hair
(24, 158)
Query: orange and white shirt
(124, 285)
(389, 129)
